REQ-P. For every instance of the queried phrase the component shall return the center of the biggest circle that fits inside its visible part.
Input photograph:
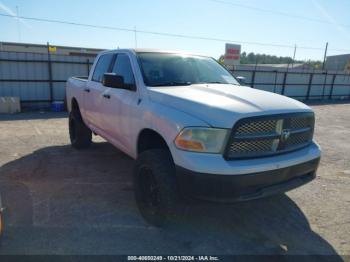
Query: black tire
(80, 135)
(155, 186)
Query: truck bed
(74, 88)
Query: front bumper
(232, 188)
(217, 165)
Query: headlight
(200, 139)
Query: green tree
(252, 58)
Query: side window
(102, 67)
(123, 68)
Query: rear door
(120, 107)
(93, 93)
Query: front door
(93, 92)
(120, 106)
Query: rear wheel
(80, 135)
(155, 184)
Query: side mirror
(241, 80)
(113, 80)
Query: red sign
(232, 55)
(232, 51)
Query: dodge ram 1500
(192, 128)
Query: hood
(222, 105)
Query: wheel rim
(150, 195)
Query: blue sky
(208, 18)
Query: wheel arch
(74, 105)
(150, 139)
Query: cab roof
(152, 50)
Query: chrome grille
(265, 126)
(301, 122)
(265, 136)
(251, 146)
(298, 139)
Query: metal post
(284, 82)
(309, 86)
(88, 66)
(324, 84)
(325, 56)
(253, 79)
(50, 71)
(295, 50)
(253, 76)
(275, 87)
(332, 87)
(349, 93)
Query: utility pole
(325, 56)
(49, 71)
(135, 37)
(18, 25)
(295, 50)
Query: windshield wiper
(215, 82)
(174, 83)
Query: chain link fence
(39, 79)
(301, 84)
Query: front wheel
(155, 184)
(80, 135)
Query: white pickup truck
(192, 128)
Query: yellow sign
(52, 48)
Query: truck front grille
(270, 135)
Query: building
(338, 63)
(28, 73)
(43, 49)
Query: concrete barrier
(10, 105)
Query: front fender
(167, 121)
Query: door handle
(87, 90)
(107, 96)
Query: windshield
(164, 69)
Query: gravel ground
(62, 201)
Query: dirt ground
(62, 201)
